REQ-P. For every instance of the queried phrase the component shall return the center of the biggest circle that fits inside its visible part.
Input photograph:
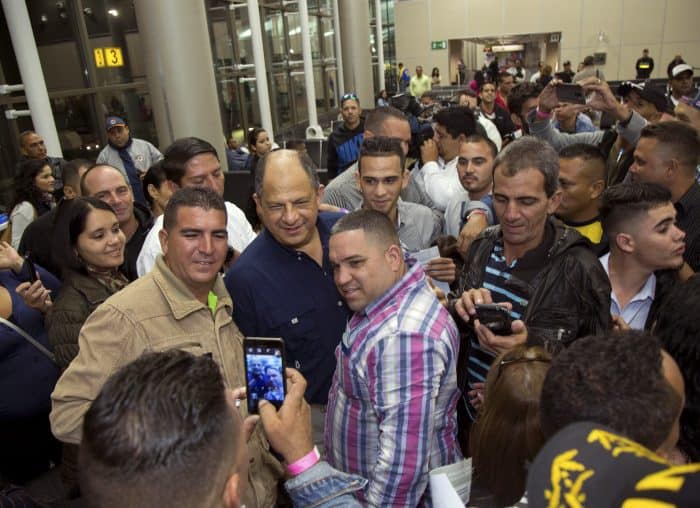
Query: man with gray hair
(282, 284)
(544, 273)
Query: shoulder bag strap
(29, 338)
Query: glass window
(114, 43)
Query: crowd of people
(502, 291)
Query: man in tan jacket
(182, 304)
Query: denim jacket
(324, 487)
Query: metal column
(314, 129)
(29, 65)
(256, 39)
(340, 85)
(180, 71)
(357, 60)
(379, 42)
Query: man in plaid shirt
(392, 406)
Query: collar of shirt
(413, 275)
(324, 223)
(647, 292)
(526, 267)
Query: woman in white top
(33, 196)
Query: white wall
(666, 27)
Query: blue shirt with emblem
(281, 292)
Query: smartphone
(495, 317)
(571, 93)
(264, 367)
(31, 268)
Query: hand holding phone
(264, 366)
(570, 93)
(494, 317)
(30, 268)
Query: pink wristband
(306, 462)
(542, 115)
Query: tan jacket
(157, 313)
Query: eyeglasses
(505, 363)
(349, 95)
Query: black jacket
(344, 147)
(568, 293)
(80, 295)
(37, 240)
(133, 246)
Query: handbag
(29, 339)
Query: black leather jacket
(568, 294)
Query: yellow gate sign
(99, 57)
(114, 57)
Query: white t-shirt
(240, 234)
(21, 216)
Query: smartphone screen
(264, 366)
(30, 268)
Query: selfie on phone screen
(265, 375)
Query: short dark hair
(680, 138)
(193, 197)
(373, 223)
(592, 157)
(305, 162)
(295, 144)
(622, 204)
(70, 224)
(154, 176)
(179, 153)
(678, 328)
(160, 433)
(380, 146)
(479, 138)
(520, 93)
(582, 151)
(530, 152)
(71, 172)
(615, 380)
(83, 188)
(375, 119)
(457, 121)
(503, 75)
(25, 186)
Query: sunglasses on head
(505, 363)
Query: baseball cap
(114, 121)
(678, 69)
(597, 467)
(646, 91)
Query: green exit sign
(438, 45)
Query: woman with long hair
(507, 435)
(259, 144)
(90, 247)
(33, 197)
(435, 77)
(156, 189)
